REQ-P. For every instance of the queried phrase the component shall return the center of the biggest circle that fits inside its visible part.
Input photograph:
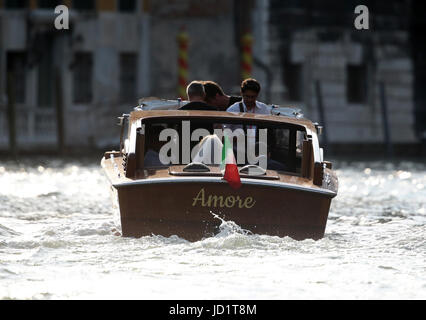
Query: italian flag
(229, 165)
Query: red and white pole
(182, 39)
(246, 55)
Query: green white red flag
(229, 165)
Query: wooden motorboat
(290, 197)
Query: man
(250, 89)
(196, 95)
(216, 97)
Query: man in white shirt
(250, 89)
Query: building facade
(355, 81)
(68, 86)
(92, 71)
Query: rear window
(179, 142)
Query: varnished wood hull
(186, 208)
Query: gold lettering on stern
(215, 201)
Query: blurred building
(89, 74)
(70, 85)
(324, 60)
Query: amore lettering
(222, 201)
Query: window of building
(82, 77)
(356, 83)
(16, 65)
(16, 4)
(128, 77)
(45, 81)
(126, 5)
(84, 5)
(48, 4)
(293, 80)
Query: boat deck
(174, 174)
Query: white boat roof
(153, 103)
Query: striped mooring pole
(246, 55)
(182, 39)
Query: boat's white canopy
(153, 103)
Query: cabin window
(182, 144)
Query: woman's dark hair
(212, 88)
(250, 84)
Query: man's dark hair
(250, 84)
(212, 89)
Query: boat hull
(187, 209)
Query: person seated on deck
(216, 97)
(196, 95)
(208, 150)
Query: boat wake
(227, 228)
(5, 231)
(231, 236)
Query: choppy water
(56, 243)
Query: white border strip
(219, 180)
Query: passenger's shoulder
(261, 104)
(234, 108)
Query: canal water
(56, 242)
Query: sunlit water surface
(56, 243)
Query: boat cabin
(176, 140)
